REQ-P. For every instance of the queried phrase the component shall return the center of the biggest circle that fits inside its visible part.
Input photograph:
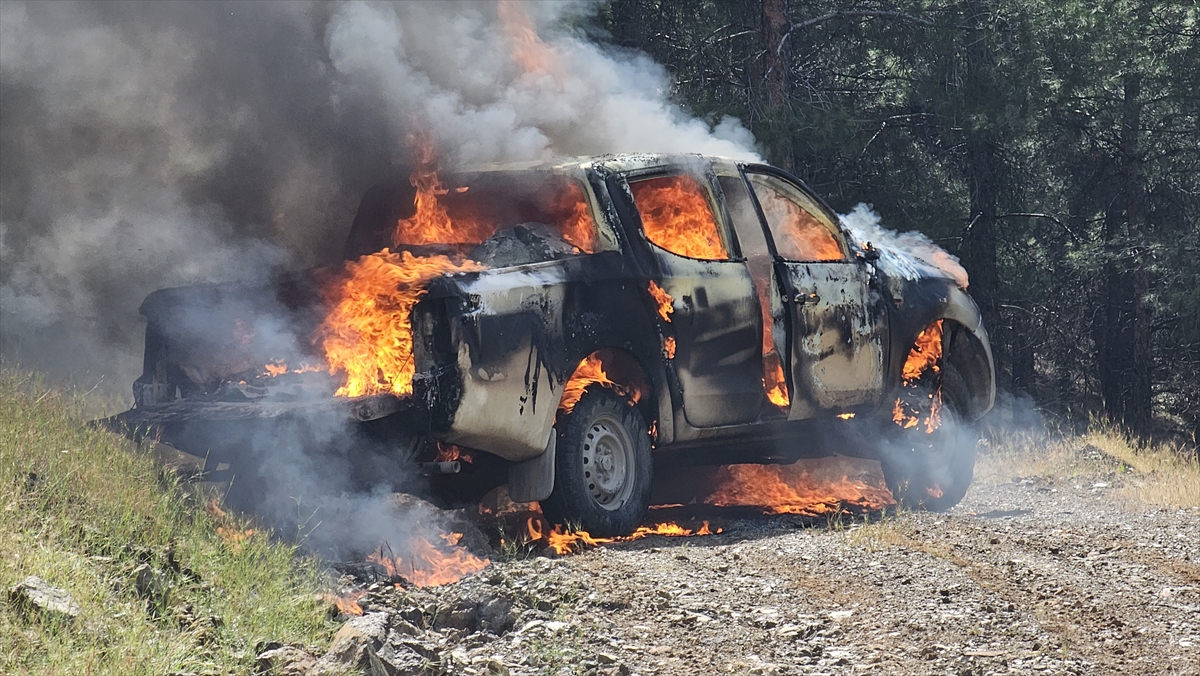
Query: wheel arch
(965, 341)
(624, 367)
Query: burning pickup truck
(567, 327)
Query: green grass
(82, 509)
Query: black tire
(603, 466)
(932, 471)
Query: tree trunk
(1023, 371)
(776, 80)
(979, 240)
(1125, 353)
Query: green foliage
(1002, 130)
(83, 511)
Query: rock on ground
(34, 593)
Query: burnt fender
(969, 349)
(966, 345)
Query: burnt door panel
(715, 322)
(718, 354)
(836, 350)
(838, 320)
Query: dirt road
(1027, 575)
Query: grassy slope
(92, 515)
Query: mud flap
(533, 479)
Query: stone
(356, 647)
(150, 584)
(413, 616)
(462, 615)
(496, 615)
(400, 626)
(530, 625)
(285, 660)
(33, 593)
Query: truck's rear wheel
(603, 466)
(933, 470)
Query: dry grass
(879, 535)
(82, 510)
(1141, 474)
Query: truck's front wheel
(603, 466)
(932, 470)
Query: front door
(836, 349)
(714, 317)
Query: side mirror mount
(868, 252)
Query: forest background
(1053, 146)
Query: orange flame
(800, 235)
(665, 302)
(904, 415)
(368, 332)
(234, 536)
(431, 223)
(450, 453)
(924, 357)
(527, 48)
(347, 603)
(591, 371)
(566, 542)
(925, 354)
(934, 420)
(677, 216)
(213, 507)
(773, 380)
(777, 490)
(278, 367)
(577, 225)
(670, 529)
(429, 564)
(669, 347)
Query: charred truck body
(570, 326)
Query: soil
(1026, 575)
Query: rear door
(714, 319)
(838, 323)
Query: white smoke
(864, 225)
(457, 69)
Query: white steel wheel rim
(608, 463)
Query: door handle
(801, 298)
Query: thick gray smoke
(145, 145)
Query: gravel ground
(1027, 575)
